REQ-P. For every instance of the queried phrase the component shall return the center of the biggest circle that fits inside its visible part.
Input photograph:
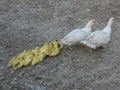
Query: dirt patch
(25, 24)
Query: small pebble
(39, 87)
(88, 10)
(0, 73)
(14, 81)
(32, 75)
(2, 78)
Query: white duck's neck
(88, 25)
(107, 29)
(88, 28)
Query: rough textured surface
(25, 24)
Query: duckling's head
(46, 44)
(25, 51)
(30, 52)
(60, 45)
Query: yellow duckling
(35, 56)
(50, 47)
(21, 64)
(28, 58)
(18, 63)
(54, 52)
(36, 50)
(17, 60)
(23, 54)
(45, 50)
(11, 61)
(56, 43)
(36, 59)
(56, 48)
(41, 57)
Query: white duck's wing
(96, 39)
(92, 34)
(75, 36)
(72, 33)
(99, 37)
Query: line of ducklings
(36, 55)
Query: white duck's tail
(63, 42)
(88, 44)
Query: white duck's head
(108, 27)
(90, 23)
(111, 20)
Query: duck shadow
(87, 49)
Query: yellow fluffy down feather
(36, 55)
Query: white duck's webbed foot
(68, 47)
(81, 45)
(104, 47)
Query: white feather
(99, 38)
(77, 34)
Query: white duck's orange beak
(94, 21)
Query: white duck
(78, 35)
(99, 38)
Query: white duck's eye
(113, 19)
(94, 21)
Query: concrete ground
(25, 24)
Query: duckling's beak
(56, 40)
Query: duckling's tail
(88, 44)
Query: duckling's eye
(58, 45)
(56, 40)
